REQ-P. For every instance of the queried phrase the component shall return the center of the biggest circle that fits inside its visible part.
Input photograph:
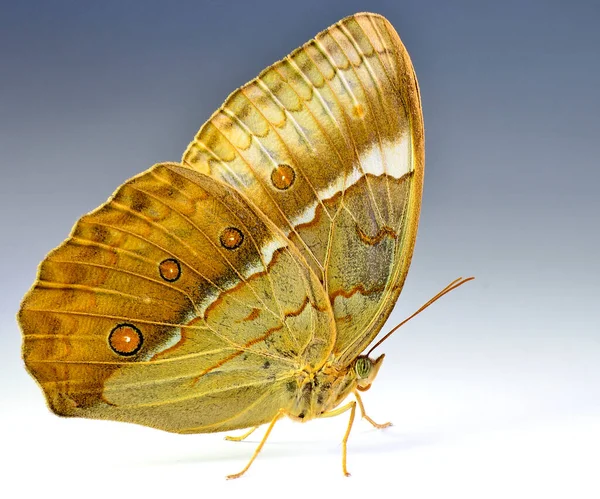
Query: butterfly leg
(364, 414)
(241, 437)
(260, 446)
(336, 412)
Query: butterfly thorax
(317, 392)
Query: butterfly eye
(363, 367)
(169, 269)
(283, 177)
(231, 238)
(125, 339)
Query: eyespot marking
(169, 269)
(231, 238)
(283, 177)
(125, 340)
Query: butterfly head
(366, 370)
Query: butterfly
(243, 284)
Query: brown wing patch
(377, 238)
(255, 312)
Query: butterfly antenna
(453, 285)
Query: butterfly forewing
(328, 143)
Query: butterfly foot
(382, 426)
(377, 425)
(239, 438)
(235, 475)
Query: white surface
(458, 432)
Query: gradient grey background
(92, 93)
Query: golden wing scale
(243, 286)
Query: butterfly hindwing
(176, 305)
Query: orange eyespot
(232, 238)
(125, 339)
(169, 269)
(283, 177)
